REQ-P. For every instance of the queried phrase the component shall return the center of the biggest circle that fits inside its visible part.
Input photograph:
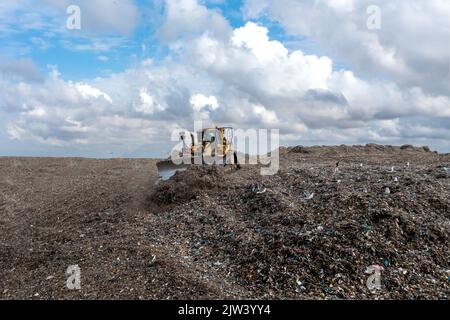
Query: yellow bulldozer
(214, 147)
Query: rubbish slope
(321, 228)
(315, 230)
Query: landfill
(315, 230)
(342, 222)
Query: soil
(310, 231)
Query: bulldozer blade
(167, 169)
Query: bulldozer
(214, 147)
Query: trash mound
(187, 185)
(315, 230)
(255, 199)
(357, 149)
(300, 149)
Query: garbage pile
(330, 220)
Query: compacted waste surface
(322, 227)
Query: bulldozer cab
(217, 141)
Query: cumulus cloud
(19, 69)
(188, 18)
(199, 101)
(411, 48)
(119, 112)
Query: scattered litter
(328, 290)
(258, 188)
(402, 271)
(153, 260)
(387, 190)
(307, 195)
(336, 170)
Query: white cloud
(187, 18)
(102, 58)
(267, 117)
(147, 104)
(15, 133)
(87, 92)
(200, 101)
(19, 69)
(411, 48)
(256, 39)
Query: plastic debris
(153, 260)
(258, 188)
(308, 195)
(387, 190)
(402, 271)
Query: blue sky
(46, 47)
(137, 70)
